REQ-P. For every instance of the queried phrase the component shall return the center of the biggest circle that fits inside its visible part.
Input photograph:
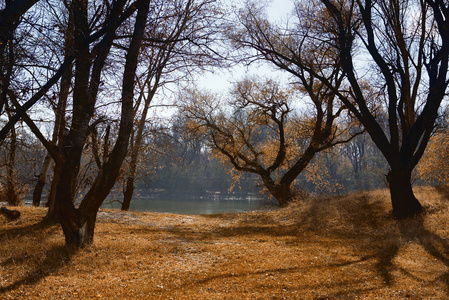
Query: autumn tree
(398, 49)
(103, 39)
(262, 135)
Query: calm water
(193, 206)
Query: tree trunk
(73, 223)
(135, 149)
(51, 213)
(78, 224)
(405, 205)
(128, 193)
(281, 192)
(11, 194)
(37, 193)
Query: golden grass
(346, 247)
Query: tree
(183, 49)
(404, 47)
(59, 126)
(10, 188)
(261, 135)
(78, 224)
(401, 52)
(101, 40)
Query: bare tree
(409, 54)
(404, 49)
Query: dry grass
(347, 247)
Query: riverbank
(342, 247)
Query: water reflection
(192, 205)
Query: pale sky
(220, 81)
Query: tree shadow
(414, 230)
(21, 231)
(55, 258)
(233, 275)
(443, 190)
(41, 258)
(360, 221)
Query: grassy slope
(323, 248)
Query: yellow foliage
(434, 165)
(317, 174)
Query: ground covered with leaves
(325, 248)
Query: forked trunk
(79, 224)
(73, 225)
(78, 228)
(405, 205)
(281, 192)
(283, 195)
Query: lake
(193, 205)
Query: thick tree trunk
(283, 195)
(281, 192)
(405, 204)
(73, 223)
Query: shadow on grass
(55, 258)
(360, 223)
(374, 233)
(37, 256)
(21, 231)
(443, 190)
(234, 275)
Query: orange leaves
(434, 165)
(318, 175)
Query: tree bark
(404, 202)
(51, 213)
(280, 191)
(283, 194)
(11, 185)
(128, 192)
(42, 179)
(135, 149)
